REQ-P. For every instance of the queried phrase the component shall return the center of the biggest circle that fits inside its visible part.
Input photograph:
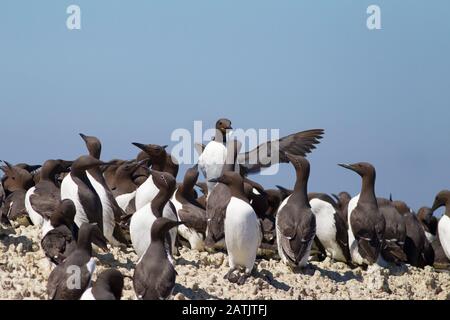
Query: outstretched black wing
(273, 152)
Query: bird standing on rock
(443, 199)
(295, 221)
(331, 229)
(243, 232)
(59, 233)
(111, 212)
(190, 211)
(154, 276)
(70, 279)
(44, 198)
(366, 223)
(17, 183)
(144, 218)
(77, 187)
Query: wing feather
(273, 152)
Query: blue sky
(138, 70)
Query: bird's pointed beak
(9, 165)
(346, 166)
(139, 145)
(436, 205)
(214, 180)
(83, 136)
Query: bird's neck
(95, 152)
(84, 242)
(159, 202)
(125, 184)
(368, 190)
(186, 189)
(220, 137)
(300, 193)
(238, 191)
(48, 175)
(159, 163)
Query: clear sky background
(140, 69)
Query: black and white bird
(214, 154)
(125, 187)
(418, 250)
(16, 183)
(190, 211)
(443, 199)
(366, 223)
(217, 201)
(70, 279)
(77, 187)
(60, 233)
(429, 223)
(393, 249)
(108, 286)
(111, 212)
(331, 229)
(154, 276)
(160, 161)
(44, 198)
(142, 221)
(295, 221)
(243, 232)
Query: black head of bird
(17, 177)
(300, 164)
(229, 178)
(88, 162)
(64, 215)
(425, 214)
(191, 176)
(152, 150)
(113, 280)
(223, 125)
(364, 169)
(93, 145)
(164, 180)
(161, 226)
(441, 199)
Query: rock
(24, 274)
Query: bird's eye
(220, 123)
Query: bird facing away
(295, 221)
